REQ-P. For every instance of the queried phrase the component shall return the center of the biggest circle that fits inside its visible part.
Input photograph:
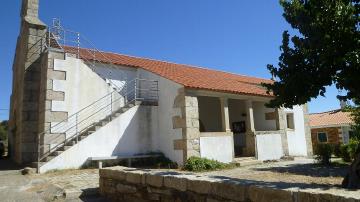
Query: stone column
(26, 84)
(225, 115)
(188, 122)
(250, 130)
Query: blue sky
(234, 36)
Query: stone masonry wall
(189, 123)
(27, 69)
(130, 184)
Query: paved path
(61, 186)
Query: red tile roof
(330, 118)
(186, 75)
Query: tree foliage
(324, 52)
(3, 130)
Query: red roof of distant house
(186, 75)
(330, 118)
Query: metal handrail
(130, 91)
(100, 109)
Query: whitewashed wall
(117, 75)
(269, 146)
(219, 148)
(165, 134)
(128, 134)
(296, 138)
(82, 87)
(261, 124)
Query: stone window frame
(318, 139)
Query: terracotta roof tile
(334, 117)
(189, 76)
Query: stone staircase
(85, 133)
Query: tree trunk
(352, 179)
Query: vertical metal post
(49, 45)
(76, 128)
(111, 107)
(126, 92)
(135, 89)
(38, 156)
(78, 45)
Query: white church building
(91, 103)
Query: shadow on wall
(136, 137)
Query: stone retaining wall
(130, 184)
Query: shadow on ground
(313, 170)
(276, 184)
(7, 164)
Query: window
(290, 121)
(322, 137)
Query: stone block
(125, 189)
(160, 191)
(192, 112)
(191, 101)
(55, 116)
(49, 84)
(134, 177)
(55, 95)
(230, 190)
(56, 75)
(178, 122)
(198, 185)
(178, 183)
(113, 173)
(192, 133)
(179, 144)
(192, 123)
(265, 194)
(154, 180)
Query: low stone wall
(129, 184)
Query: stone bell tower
(24, 109)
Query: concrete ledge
(130, 184)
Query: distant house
(74, 102)
(332, 127)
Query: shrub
(345, 155)
(349, 151)
(353, 147)
(323, 153)
(203, 164)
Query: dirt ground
(82, 185)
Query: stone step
(57, 153)
(48, 158)
(90, 132)
(71, 143)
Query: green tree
(3, 130)
(324, 52)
